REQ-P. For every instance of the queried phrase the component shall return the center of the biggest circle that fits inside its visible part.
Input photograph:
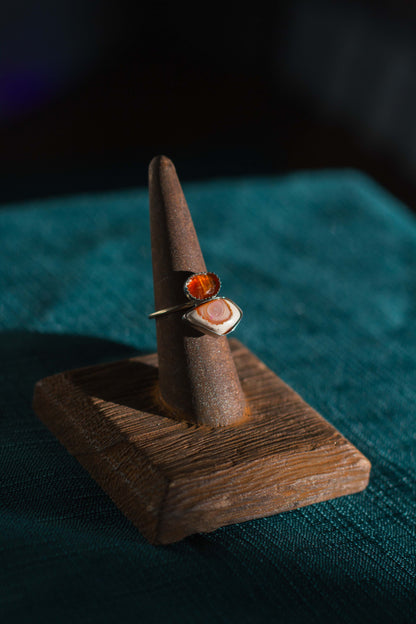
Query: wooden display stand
(200, 435)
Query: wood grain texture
(171, 478)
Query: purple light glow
(23, 90)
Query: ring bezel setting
(219, 323)
(202, 286)
(206, 312)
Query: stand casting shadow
(201, 434)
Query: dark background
(91, 90)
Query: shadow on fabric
(29, 356)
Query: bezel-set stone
(202, 286)
(218, 316)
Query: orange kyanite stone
(203, 285)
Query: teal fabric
(324, 266)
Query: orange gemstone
(203, 286)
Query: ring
(208, 313)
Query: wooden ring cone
(198, 380)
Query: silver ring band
(176, 308)
(206, 312)
(198, 288)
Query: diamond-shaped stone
(219, 316)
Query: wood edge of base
(156, 529)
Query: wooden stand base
(172, 479)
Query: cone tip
(159, 163)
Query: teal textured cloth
(324, 266)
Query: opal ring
(205, 311)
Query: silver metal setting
(192, 301)
(207, 330)
(176, 308)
